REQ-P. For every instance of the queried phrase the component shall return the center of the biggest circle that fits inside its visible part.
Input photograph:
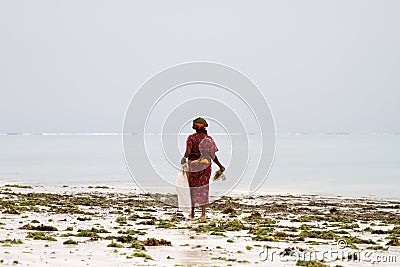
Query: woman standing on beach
(200, 151)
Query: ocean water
(327, 164)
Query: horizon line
(214, 133)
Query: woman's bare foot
(192, 213)
(203, 211)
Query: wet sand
(119, 226)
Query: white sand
(189, 248)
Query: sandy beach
(119, 226)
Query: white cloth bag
(183, 190)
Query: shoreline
(126, 186)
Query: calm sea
(328, 164)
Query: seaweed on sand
(18, 186)
(137, 245)
(262, 234)
(40, 236)
(377, 248)
(229, 210)
(115, 245)
(142, 255)
(395, 232)
(223, 259)
(282, 235)
(232, 225)
(147, 222)
(309, 218)
(70, 242)
(84, 219)
(94, 230)
(125, 238)
(162, 223)
(38, 228)
(12, 241)
(156, 242)
(121, 220)
(255, 216)
(393, 242)
(318, 234)
(356, 240)
(90, 234)
(310, 263)
(131, 232)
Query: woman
(200, 151)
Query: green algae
(115, 245)
(70, 242)
(310, 263)
(40, 236)
(142, 255)
(318, 234)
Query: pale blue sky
(324, 66)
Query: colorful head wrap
(200, 122)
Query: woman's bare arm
(216, 161)
(187, 153)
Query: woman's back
(201, 146)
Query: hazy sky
(324, 66)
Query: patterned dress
(202, 148)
